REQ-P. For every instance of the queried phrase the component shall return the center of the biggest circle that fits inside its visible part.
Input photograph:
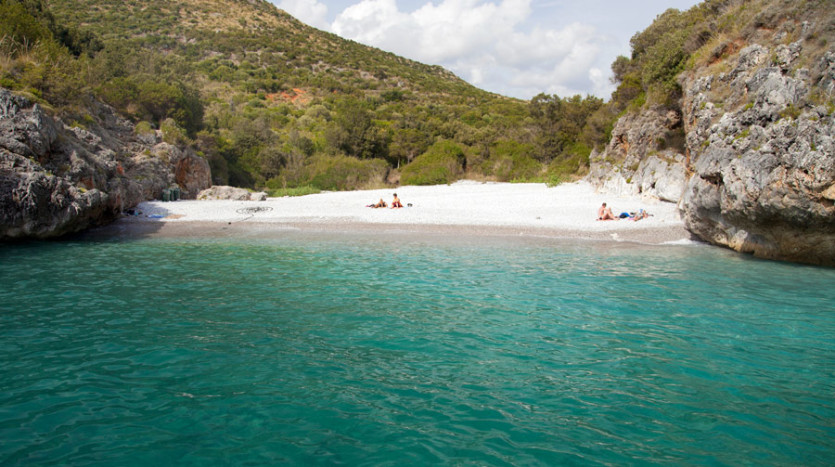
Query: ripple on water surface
(312, 349)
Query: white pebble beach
(462, 208)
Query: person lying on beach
(641, 214)
(380, 204)
(396, 202)
(605, 213)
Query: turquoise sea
(318, 349)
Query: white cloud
(460, 28)
(482, 42)
(602, 82)
(307, 11)
(372, 22)
(510, 47)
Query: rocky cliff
(57, 178)
(763, 164)
(749, 156)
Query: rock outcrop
(644, 157)
(763, 162)
(756, 169)
(231, 193)
(57, 178)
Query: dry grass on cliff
(769, 23)
(228, 16)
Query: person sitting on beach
(605, 213)
(395, 203)
(380, 204)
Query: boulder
(222, 192)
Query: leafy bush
(32, 59)
(143, 128)
(574, 161)
(443, 163)
(155, 99)
(19, 29)
(275, 189)
(172, 133)
(511, 161)
(406, 144)
(354, 131)
(565, 124)
(344, 173)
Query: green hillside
(271, 102)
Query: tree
(561, 122)
(442, 163)
(406, 144)
(19, 29)
(154, 99)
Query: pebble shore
(467, 208)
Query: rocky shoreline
(749, 158)
(57, 178)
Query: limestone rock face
(763, 164)
(756, 169)
(191, 173)
(230, 193)
(57, 179)
(644, 157)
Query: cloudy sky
(516, 48)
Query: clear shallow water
(322, 350)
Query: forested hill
(273, 103)
(255, 37)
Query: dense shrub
(443, 163)
(143, 128)
(354, 131)
(276, 189)
(172, 133)
(344, 173)
(19, 29)
(564, 124)
(154, 99)
(511, 161)
(406, 144)
(575, 161)
(31, 59)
